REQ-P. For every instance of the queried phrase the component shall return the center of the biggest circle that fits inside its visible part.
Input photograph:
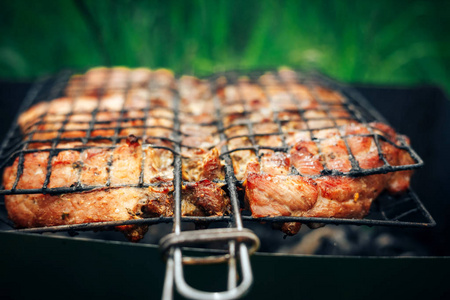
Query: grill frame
(363, 108)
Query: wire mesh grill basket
(297, 103)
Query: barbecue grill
(404, 211)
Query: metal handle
(243, 239)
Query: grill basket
(404, 210)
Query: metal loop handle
(243, 240)
(190, 238)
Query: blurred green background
(382, 42)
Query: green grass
(383, 42)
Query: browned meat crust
(204, 198)
(113, 204)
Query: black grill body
(109, 269)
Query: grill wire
(403, 210)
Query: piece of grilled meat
(321, 134)
(270, 192)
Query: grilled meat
(321, 136)
(119, 127)
(116, 132)
(120, 201)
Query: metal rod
(169, 278)
(237, 292)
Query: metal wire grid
(14, 146)
(403, 210)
